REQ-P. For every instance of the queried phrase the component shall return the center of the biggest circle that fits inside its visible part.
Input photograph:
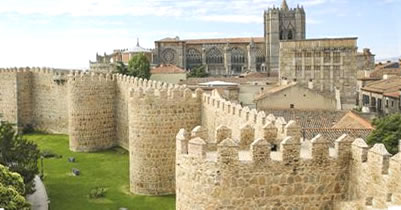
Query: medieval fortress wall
(233, 158)
(100, 111)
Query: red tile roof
(167, 69)
(385, 86)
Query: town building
(295, 96)
(168, 73)
(106, 63)
(381, 97)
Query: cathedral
(233, 56)
(329, 65)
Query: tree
(139, 66)
(19, 155)
(121, 68)
(199, 71)
(12, 190)
(388, 132)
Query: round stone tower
(155, 117)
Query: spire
(137, 42)
(284, 5)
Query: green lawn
(107, 169)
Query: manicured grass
(106, 169)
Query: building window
(379, 104)
(214, 56)
(289, 35)
(318, 54)
(292, 106)
(194, 58)
(237, 60)
(336, 57)
(298, 54)
(308, 54)
(365, 100)
(336, 68)
(326, 57)
(392, 103)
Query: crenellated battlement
(249, 149)
(224, 155)
(172, 94)
(217, 173)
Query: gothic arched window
(194, 58)
(237, 56)
(214, 56)
(289, 35)
(281, 35)
(260, 59)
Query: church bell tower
(282, 23)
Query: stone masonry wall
(299, 176)
(24, 93)
(121, 110)
(8, 95)
(49, 101)
(156, 112)
(217, 111)
(91, 111)
(374, 178)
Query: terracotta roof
(261, 80)
(352, 120)
(254, 75)
(384, 86)
(379, 73)
(167, 69)
(307, 118)
(395, 94)
(274, 90)
(333, 134)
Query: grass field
(107, 169)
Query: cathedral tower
(281, 24)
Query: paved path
(39, 198)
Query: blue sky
(68, 33)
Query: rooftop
(321, 39)
(274, 90)
(241, 80)
(385, 86)
(334, 133)
(218, 83)
(309, 119)
(137, 48)
(167, 69)
(216, 40)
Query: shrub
(97, 192)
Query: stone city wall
(35, 97)
(374, 178)
(8, 95)
(49, 100)
(91, 111)
(156, 112)
(121, 103)
(298, 176)
(217, 111)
